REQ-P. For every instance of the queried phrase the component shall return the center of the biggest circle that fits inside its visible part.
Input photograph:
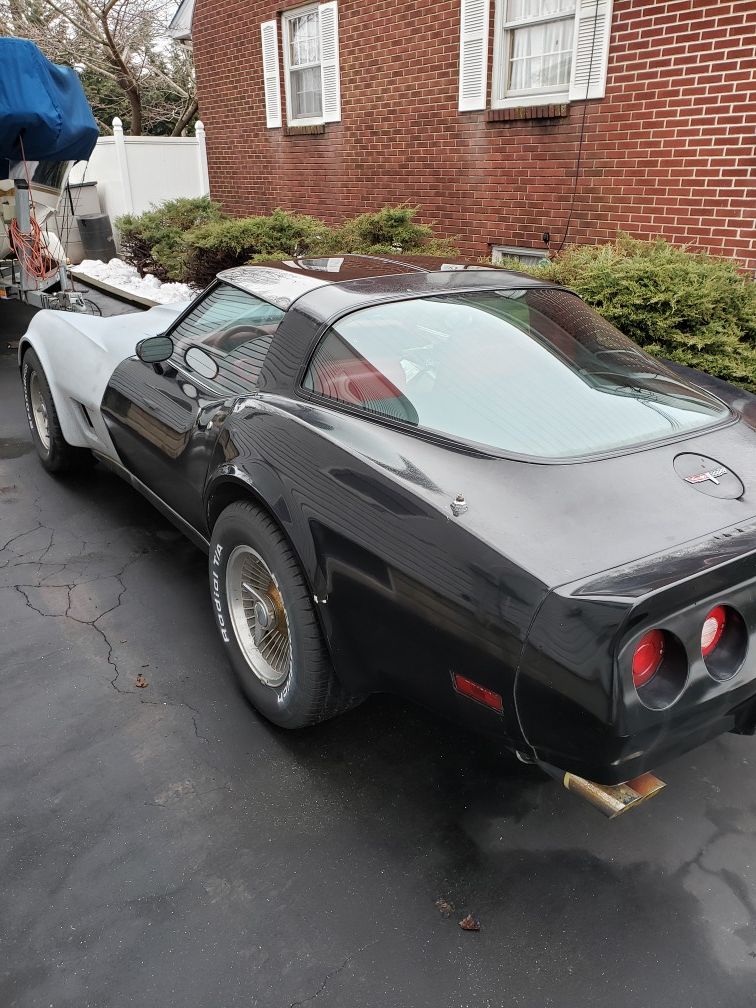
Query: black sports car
(457, 484)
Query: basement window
(527, 256)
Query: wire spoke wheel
(39, 410)
(258, 616)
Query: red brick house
(503, 120)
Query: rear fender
(257, 482)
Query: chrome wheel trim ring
(39, 410)
(258, 616)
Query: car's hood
(116, 331)
(136, 324)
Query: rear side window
(235, 329)
(529, 372)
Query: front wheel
(55, 453)
(267, 620)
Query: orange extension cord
(30, 249)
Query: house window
(304, 86)
(310, 45)
(533, 49)
(545, 52)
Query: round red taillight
(713, 628)
(648, 657)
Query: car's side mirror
(154, 349)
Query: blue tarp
(45, 104)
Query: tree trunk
(125, 79)
(190, 110)
(135, 101)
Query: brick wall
(669, 151)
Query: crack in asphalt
(16, 537)
(729, 879)
(202, 738)
(36, 563)
(49, 545)
(329, 976)
(22, 590)
(118, 576)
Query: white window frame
(503, 35)
(286, 18)
(527, 256)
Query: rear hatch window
(532, 372)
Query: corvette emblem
(708, 476)
(702, 477)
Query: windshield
(529, 372)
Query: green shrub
(192, 239)
(389, 231)
(224, 244)
(688, 307)
(154, 241)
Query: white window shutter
(473, 55)
(591, 54)
(271, 76)
(329, 61)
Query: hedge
(154, 241)
(688, 307)
(192, 240)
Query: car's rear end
(626, 670)
(576, 456)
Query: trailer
(46, 126)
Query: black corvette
(457, 484)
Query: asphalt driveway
(163, 846)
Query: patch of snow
(126, 278)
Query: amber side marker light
(477, 692)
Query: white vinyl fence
(135, 172)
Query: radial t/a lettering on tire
(215, 576)
(266, 618)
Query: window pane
(541, 55)
(233, 327)
(519, 10)
(306, 93)
(529, 372)
(304, 44)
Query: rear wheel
(267, 620)
(55, 454)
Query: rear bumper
(621, 759)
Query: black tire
(311, 692)
(57, 456)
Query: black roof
(365, 278)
